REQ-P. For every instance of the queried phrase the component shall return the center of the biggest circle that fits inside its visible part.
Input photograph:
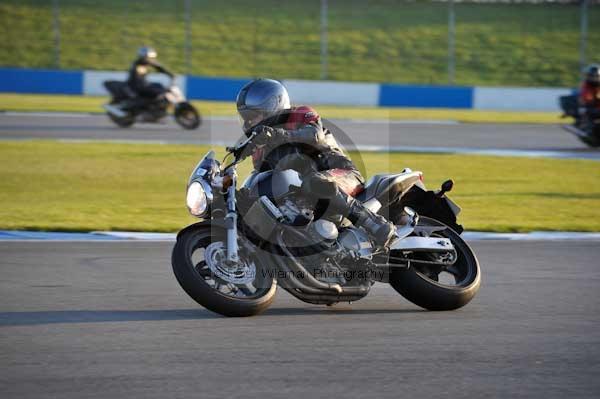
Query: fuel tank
(275, 184)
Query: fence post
(583, 20)
(56, 32)
(451, 42)
(323, 39)
(188, 36)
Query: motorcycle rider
(294, 138)
(146, 58)
(589, 93)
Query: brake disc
(239, 273)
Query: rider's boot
(379, 229)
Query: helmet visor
(261, 99)
(249, 118)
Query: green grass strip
(49, 185)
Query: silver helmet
(592, 74)
(261, 99)
(147, 53)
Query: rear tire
(594, 139)
(122, 122)
(419, 287)
(197, 287)
(592, 130)
(126, 121)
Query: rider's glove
(267, 134)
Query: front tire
(187, 116)
(422, 286)
(202, 285)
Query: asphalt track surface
(418, 135)
(108, 320)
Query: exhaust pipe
(323, 299)
(574, 130)
(311, 288)
(296, 269)
(114, 110)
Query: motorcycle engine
(296, 213)
(356, 242)
(328, 253)
(324, 234)
(341, 253)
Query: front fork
(231, 221)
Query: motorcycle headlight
(196, 199)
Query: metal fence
(423, 42)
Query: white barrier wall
(518, 98)
(341, 93)
(23, 80)
(92, 81)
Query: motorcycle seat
(119, 89)
(387, 188)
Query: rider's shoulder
(304, 114)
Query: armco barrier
(337, 93)
(19, 80)
(93, 81)
(518, 98)
(425, 96)
(217, 89)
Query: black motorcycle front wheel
(436, 287)
(239, 290)
(187, 116)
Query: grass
(378, 40)
(59, 103)
(46, 185)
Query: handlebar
(237, 150)
(242, 145)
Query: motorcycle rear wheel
(203, 285)
(592, 130)
(125, 121)
(420, 283)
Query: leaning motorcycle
(585, 127)
(126, 107)
(265, 234)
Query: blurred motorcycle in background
(586, 126)
(126, 107)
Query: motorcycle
(585, 127)
(126, 107)
(267, 234)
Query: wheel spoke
(433, 275)
(232, 288)
(221, 277)
(204, 270)
(245, 288)
(453, 271)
